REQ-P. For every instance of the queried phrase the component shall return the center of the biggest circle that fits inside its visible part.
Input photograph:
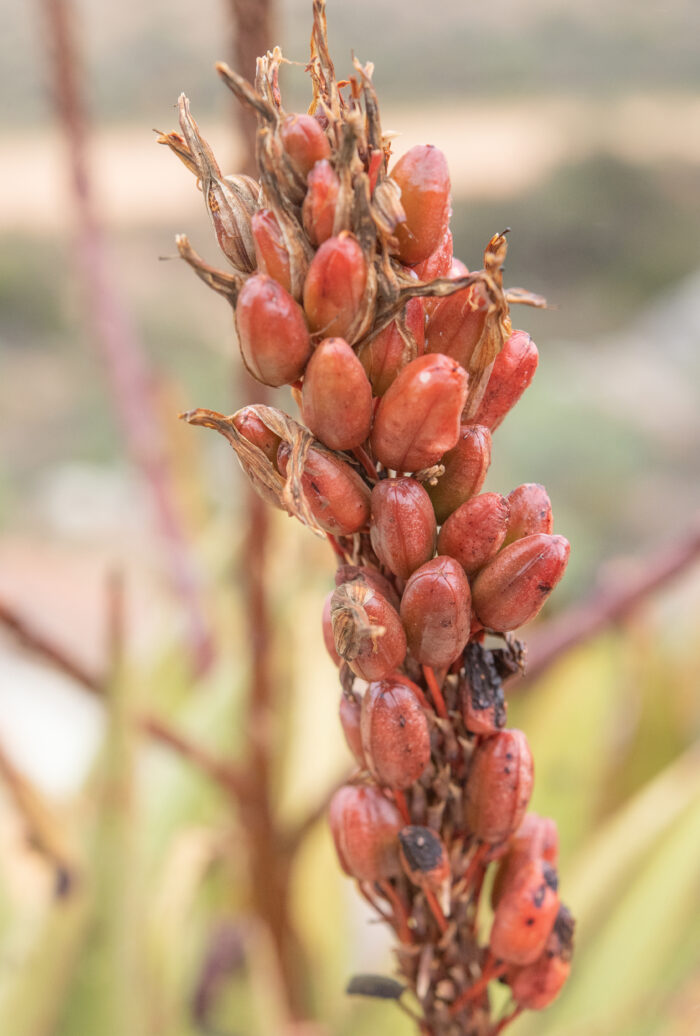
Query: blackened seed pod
(367, 631)
(512, 588)
(513, 370)
(474, 533)
(365, 828)
(336, 397)
(535, 839)
(499, 786)
(327, 627)
(537, 985)
(304, 141)
(402, 525)
(417, 419)
(270, 250)
(530, 512)
(319, 205)
(457, 323)
(526, 914)
(388, 352)
(256, 431)
(435, 610)
(481, 692)
(336, 495)
(466, 465)
(425, 860)
(424, 180)
(272, 332)
(335, 286)
(395, 734)
(350, 712)
(368, 576)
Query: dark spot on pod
(421, 847)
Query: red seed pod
(368, 576)
(474, 533)
(402, 525)
(335, 286)
(270, 250)
(481, 692)
(365, 828)
(537, 985)
(367, 631)
(466, 466)
(457, 323)
(304, 141)
(512, 588)
(336, 397)
(425, 861)
(513, 370)
(526, 914)
(535, 839)
(417, 420)
(256, 431)
(327, 626)
(424, 180)
(389, 351)
(350, 712)
(499, 786)
(435, 612)
(395, 734)
(530, 512)
(438, 264)
(336, 495)
(272, 332)
(319, 205)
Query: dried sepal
(220, 281)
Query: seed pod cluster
(345, 287)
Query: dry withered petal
(402, 525)
(365, 828)
(367, 631)
(336, 397)
(424, 180)
(512, 588)
(481, 692)
(368, 576)
(272, 332)
(466, 466)
(417, 419)
(395, 734)
(474, 533)
(435, 612)
(499, 786)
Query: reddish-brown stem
(365, 460)
(473, 865)
(337, 549)
(219, 770)
(435, 692)
(362, 887)
(436, 909)
(400, 913)
(400, 800)
(492, 969)
(504, 1022)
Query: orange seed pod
(319, 205)
(417, 420)
(365, 828)
(499, 786)
(537, 985)
(474, 533)
(388, 352)
(424, 180)
(304, 141)
(335, 286)
(512, 588)
(272, 332)
(395, 734)
(530, 511)
(435, 612)
(336, 397)
(367, 631)
(270, 250)
(402, 525)
(536, 838)
(466, 465)
(513, 370)
(525, 915)
(337, 496)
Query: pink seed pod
(513, 370)
(327, 627)
(466, 466)
(435, 610)
(319, 205)
(369, 576)
(512, 588)
(336, 495)
(425, 861)
(335, 286)
(402, 525)
(475, 532)
(424, 180)
(350, 712)
(438, 264)
(256, 431)
(499, 786)
(272, 332)
(526, 914)
(395, 734)
(365, 826)
(367, 631)
(481, 692)
(456, 324)
(304, 141)
(336, 397)
(530, 512)
(388, 352)
(417, 420)
(535, 839)
(270, 250)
